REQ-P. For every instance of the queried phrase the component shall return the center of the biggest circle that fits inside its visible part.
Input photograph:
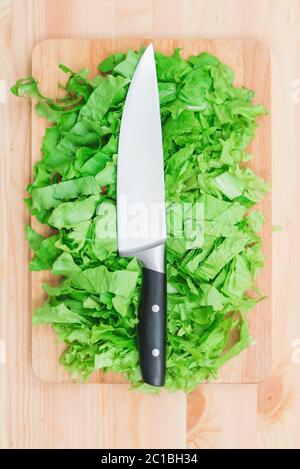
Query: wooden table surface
(35, 414)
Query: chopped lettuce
(207, 125)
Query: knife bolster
(153, 258)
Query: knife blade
(141, 220)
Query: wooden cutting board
(251, 63)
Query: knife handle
(152, 327)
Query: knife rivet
(155, 308)
(155, 352)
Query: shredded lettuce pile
(207, 126)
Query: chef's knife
(141, 222)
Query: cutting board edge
(260, 42)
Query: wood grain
(246, 58)
(34, 414)
(216, 415)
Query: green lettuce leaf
(214, 251)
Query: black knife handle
(152, 327)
